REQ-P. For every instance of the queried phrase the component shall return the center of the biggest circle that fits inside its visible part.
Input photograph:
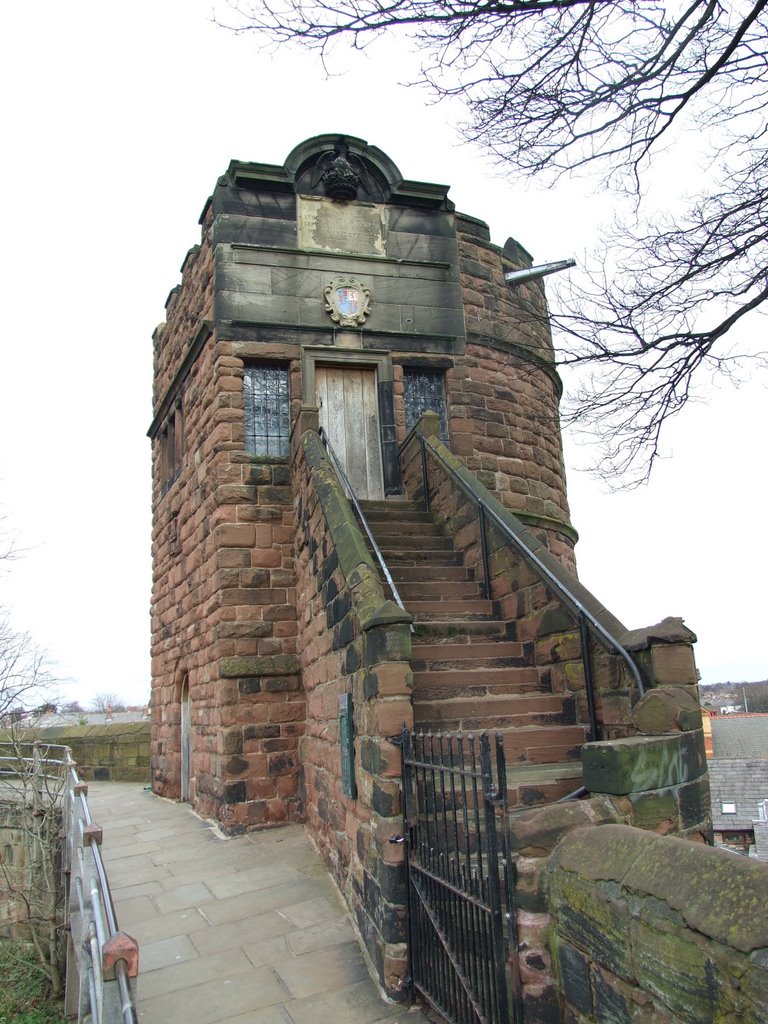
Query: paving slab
(190, 970)
(216, 999)
(325, 970)
(165, 953)
(245, 930)
(238, 933)
(261, 900)
(190, 894)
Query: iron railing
(101, 961)
(461, 915)
(349, 491)
(585, 619)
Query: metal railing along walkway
(101, 960)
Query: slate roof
(743, 781)
(740, 736)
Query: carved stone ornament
(348, 301)
(340, 173)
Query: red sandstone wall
(223, 608)
(182, 549)
(503, 392)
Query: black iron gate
(460, 910)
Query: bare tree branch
(605, 86)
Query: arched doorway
(186, 746)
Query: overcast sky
(118, 120)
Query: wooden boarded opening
(349, 414)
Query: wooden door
(349, 415)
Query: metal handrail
(98, 986)
(101, 939)
(585, 617)
(359, 512)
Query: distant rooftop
(737, 787)
(740, 736)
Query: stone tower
(333, 298)
(261, 326)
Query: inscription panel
(342, 227)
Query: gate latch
(394, 840)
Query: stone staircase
(469, 672)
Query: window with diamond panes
(267, 410)
(424, 390)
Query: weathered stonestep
(412, 548)
(458, 631)
(529, 785)
(480, 682)
(426, 655)
(399, 515)
(537, 744)
(407, 573)
(432, 661)
(391, 506)
(474, 607)
(398, 531)
(421, 555)
(438, 590)
(462, 714)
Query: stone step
(537, 744)
(391, 506)
(529, 785)
(403, 573)
(458, 631)
(381, 516)
(468, 607)
(420, 556)
(470, 714)
(411, 548)
(403, 528)
(438, 590)
(481, 682)
(500, 653)
(396, 530)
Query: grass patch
(24, 988)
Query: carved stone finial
(340, 172)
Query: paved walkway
(245, 931)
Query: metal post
(424, 471)
(501, 1001)
(484, 550)
(588, 682)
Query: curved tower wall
(504, 391)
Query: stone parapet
(119, 752)
(656, 929)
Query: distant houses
(737, 753)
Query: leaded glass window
(424, 391)
(267, 410)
